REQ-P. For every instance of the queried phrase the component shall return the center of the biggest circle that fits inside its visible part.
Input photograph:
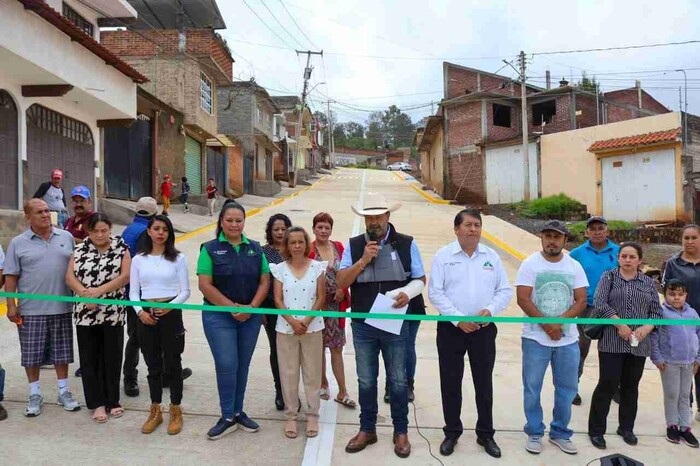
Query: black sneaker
(186, 373)
(131, 388)
(689, 439)
(577, 400)
(222, 427)
(616, 396)
(673, 435)
(246, 423)
(79, 372)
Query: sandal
(347, 402)
(312, 427)
(290, 429)
(325, 394)
(99, 418)
(116, 412)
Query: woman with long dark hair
(233, 272)
(100, 268)
(159, 275)
(276, 252)
(622, 293)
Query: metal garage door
(193, 164)
(129, 160)
(216, 168)
(56, 141)
(640, 187)
(504, 174)
(8, 151)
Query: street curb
(498, 242)
(251, 213)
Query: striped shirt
(628, 299)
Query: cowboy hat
(375, 204)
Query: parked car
(399, 166)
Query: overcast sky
(383, 52)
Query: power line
(626, 47)
(297, 25)
(281, 25)
(267, 26)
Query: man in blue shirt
(596, 256)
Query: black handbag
(594, 331)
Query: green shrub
(557, 206)
(578, 229)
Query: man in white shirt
(468, 279)
(550, 284)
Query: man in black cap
(550, 284)
(596, 256)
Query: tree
(354, 130)
(398, 127)
(588, 84)
(375, 128)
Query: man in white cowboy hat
(381, 260)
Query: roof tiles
(636, 140)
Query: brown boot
(175, 424)
(155, 418)
(360, 441)
(402, 447)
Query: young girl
(159, 274)
(675, 350)
(300, 285)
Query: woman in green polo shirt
(233, 272)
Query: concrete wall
(235, 111)
(235, 169)
(567, 166)
(432, 169)
(170, 157)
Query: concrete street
(59, 437)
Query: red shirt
(165, 188)
(78, 227)
(211, 192)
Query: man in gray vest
(381, 260)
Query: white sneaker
(565, 445)
(534, 444)
(67, 401)
(34, 403)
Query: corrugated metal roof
(646, 139)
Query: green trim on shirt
(205, 266)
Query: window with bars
(206, 97)
(54, 122)
(74, 17)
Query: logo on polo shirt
(488, 266)
(251, 252)
(220, 252)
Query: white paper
(385, 305)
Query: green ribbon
(354, 315)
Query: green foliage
(578, 229)
(588, 84)
(557, 206)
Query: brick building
(300, 147)
(469, 148)
(184, 80)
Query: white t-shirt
(553, 285)
(154, 277)
(299, 294)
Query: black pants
(162, 346)
(271, 322)
(625, 371)
(452, 344)
(131, 351)
(100, 348)
(584, 343)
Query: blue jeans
(2, 383)
(369, 342)
(411, 349)
(62, 218)
(564, 360)
(232, 344)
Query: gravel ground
(655, 255)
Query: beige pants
(303, 352)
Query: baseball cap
(146, 206)
(594, 219)
(81, 191)
(555, 225)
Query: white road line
(319, 450)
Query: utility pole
(307, 76)
(523, 102)
(330, 136)
(684, 114)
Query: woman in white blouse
(300, 285)
(159, 274)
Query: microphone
(372, 236)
